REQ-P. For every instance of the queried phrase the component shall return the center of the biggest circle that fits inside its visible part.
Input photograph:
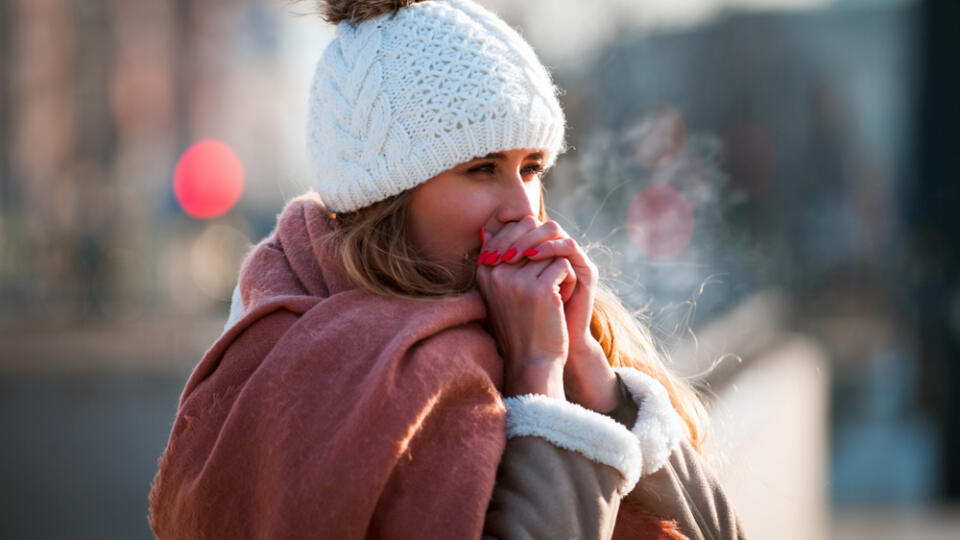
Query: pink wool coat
(329, 412)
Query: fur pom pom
(337, 11)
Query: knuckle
(552, 226)
(527, 222)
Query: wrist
(537, 376)
(586, 347)
(589, 380)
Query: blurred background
(775, 183)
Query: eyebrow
(501, 155)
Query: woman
(419, 351)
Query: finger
(512, 279)
(524, 271)
(498, 244)
(568, 248)
(530, 269)
(559, 274)
(549, 230)
(569, 284)
(566, 290)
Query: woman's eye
(485, 168)
(490, 168)
(534, 169)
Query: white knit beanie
(404, 95)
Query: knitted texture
(401, 97)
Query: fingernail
(481, 236)
(531, 252)
(509, 254)
(492, 257)
(482, 256)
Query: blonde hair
(373, 247)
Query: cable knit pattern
(401, 97)
(635, 453)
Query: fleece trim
(638, 452)
(658, 429)
(570, 426)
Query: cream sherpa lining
(635, 453)
(658, 429)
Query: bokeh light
(660, 221)
(208, 179)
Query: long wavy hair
(374, 248)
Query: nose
(519, 199)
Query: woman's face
(445, 213)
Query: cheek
(448, 227)
(461, 226)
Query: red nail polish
(492, 257)
(531, 252)
(509, 254)
(481, 236)
(482, 256)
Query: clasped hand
(539, 287)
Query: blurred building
(100, 98)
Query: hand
(588, 377)
(526, 313)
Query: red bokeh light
(208, 179)
(660, 221)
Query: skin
(539, 303)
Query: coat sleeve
(566, 472)
(562, 473)
(686, 491)
(544, 491)
(682, 488)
